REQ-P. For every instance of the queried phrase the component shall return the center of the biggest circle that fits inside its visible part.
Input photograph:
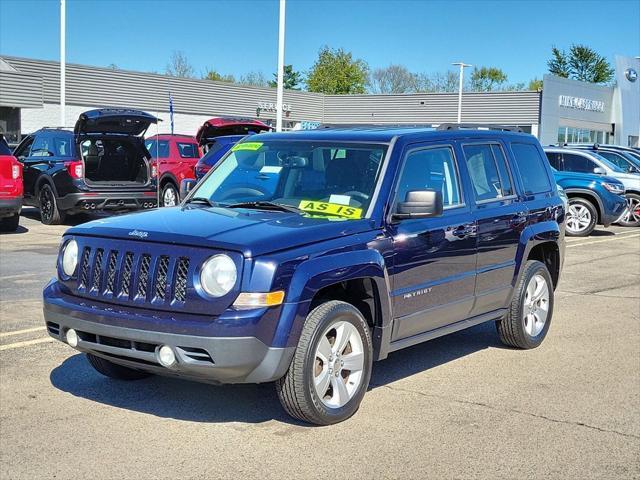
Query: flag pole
(280, 90)
(63, 62)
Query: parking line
(618, 237)
(20, 332)
(619, 234)
(27, 343)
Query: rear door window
(531, 166)
(578, 163)
(488, 171)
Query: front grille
(128, 276)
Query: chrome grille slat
(143, 277)
(97, 270)
(126, 274)
(111, 271)
(162, 272)
(84, 267)
(180, 288)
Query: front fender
(317, 273)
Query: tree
(291, 79)
(336, 72)
(487, 79)
(179, 66)
(214, 75)
(535, 85)
(255, 79)
(113, 66)
(437, 82)
(393, 79)
(581, 63)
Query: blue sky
(241, 36)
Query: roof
(382, 134)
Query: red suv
(176, 157)
(10, 189)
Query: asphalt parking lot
(461, 406)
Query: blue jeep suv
(371, 240)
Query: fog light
(72, 338)
(166, 357)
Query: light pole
(462, 65)
(63, 61)
(280, 90)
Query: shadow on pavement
(19, 230)
(602, 233)
(183, 400)
(70, 220)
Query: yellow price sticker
(330, 209)
(250, 146)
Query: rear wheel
(527, 322)
(330, 371)
(113, 370)
(10, 224)
(581, 217)
(169, 196)
(631, 218)
(50, 214)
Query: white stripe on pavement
(602, 241)
(20, 332)
(27, 343)
(619, 234)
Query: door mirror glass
(420, 204)
(599, 171)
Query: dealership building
(564, 111)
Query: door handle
(465, 230)
(518, 218)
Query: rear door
(434, 259)
(500, 215)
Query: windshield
(321, 179)
(608, 163)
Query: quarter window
(531, 166)
(488, 171)
(188, 150)
(431, 169)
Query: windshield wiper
(204, 200)
(265, 205)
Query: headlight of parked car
(616, 188)
(218, 275)
(70, 258)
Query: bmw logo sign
(631, 74)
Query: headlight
(218, 275)
(70, 258)
(617, 188)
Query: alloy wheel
(536, 305)
(169, 198)
(632, 214)
(578, 219)
(339, 364)
(46, 203)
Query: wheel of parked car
(631, 218)
(331, 368)
(50, 214)
(113, 370)
(169, 195)
(582, 217)
(10, 224)
(527, 321)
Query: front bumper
(78, 202)
(10, 206)
(200, 358)
(617, 210)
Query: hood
(122, 121)
(251, 232)
(221, 126)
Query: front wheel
(581, 218)
(631, 218)
(331, 369)
(527, 321)
(169, 196)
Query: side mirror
(599, 171)
(420, 204)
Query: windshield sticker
(330, 209)
(340, 199)
(270, 169)
(251, 146)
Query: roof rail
(478, 126)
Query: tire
(50, 214)
(526, 331)
(113, 370)
(170, 190)
(10, 224)
(297, 389)
(582, 217)
(632, 217)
